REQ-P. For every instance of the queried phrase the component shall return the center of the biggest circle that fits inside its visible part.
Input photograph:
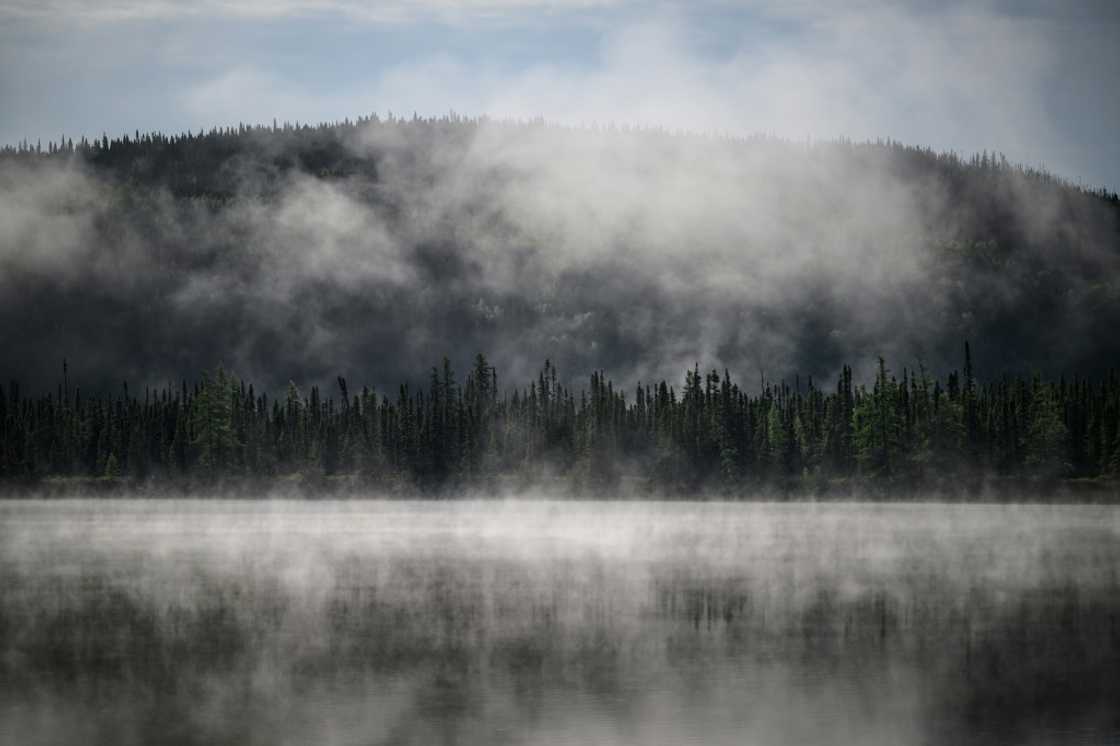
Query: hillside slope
(373, 248)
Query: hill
(372, 248)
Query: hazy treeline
(456, 433)
(199, 164)
(376, 246)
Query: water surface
(384, 622)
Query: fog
(636, 252)
(544, 622)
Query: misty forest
(912, 432)
(373, 249)
(292, 254)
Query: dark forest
(368, 249)
(458, 434)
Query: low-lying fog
(557, 622)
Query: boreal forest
(908, 432)
(262, 302)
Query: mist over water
(209, 621)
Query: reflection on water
(532, 622)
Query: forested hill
(901, 433)
(373, 247)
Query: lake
(392, 622)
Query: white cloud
(1025, 78)
(960, 79)
(377, 11)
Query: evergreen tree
(912, 432)
(1046, 444)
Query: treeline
(198, 164)
(907, 430)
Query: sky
(1033, 80)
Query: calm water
(216, 622)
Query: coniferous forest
(904, 431)
(295, 253)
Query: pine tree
(213, 423)
(1046, 443)
(112, 469)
